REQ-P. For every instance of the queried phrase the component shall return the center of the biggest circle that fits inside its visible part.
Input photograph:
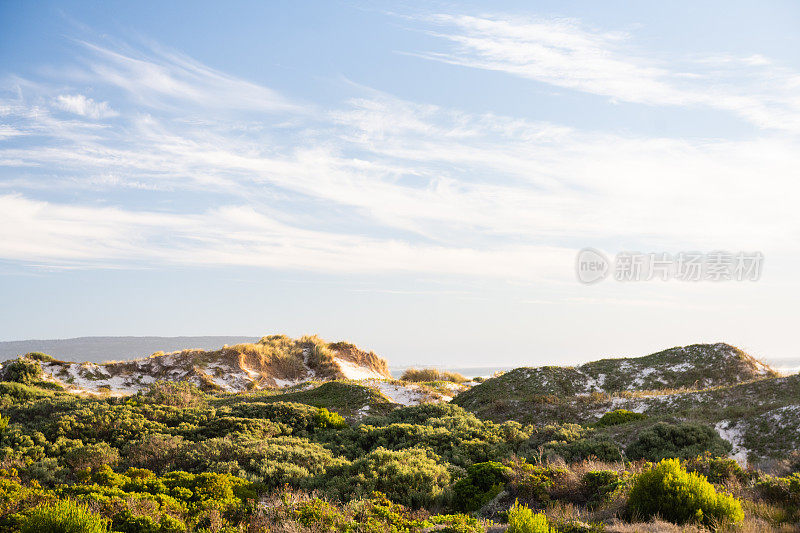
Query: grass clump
(522, 520)
(669, 491)
(63, 517)
(418, 375)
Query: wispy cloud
(377, 183)
(86, 107)
(164, 78)
(565, 53)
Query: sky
(414, 177)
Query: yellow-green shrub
(522, 520)
(64, 517)
(669, 491)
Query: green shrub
(63, 517)
(23, 370)
(329, 420)
(596, 485)
(522, 520)
(318, 515)
(780, 490)
(619, 416)
(457, 523)
(482, 483)
(682, 441)
(533, 483)
(669, 491)
(717, 469)
(593, 448)
(17, 392)
(411, 477)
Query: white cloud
(565, 53)
(74, 235)
(376, 184)
(86, 107)
(164, 79)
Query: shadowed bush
(681, 441)
(483, 482)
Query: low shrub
(23, 370)
(681, 441)
(717, 469)
(596, 485)
(669, 491)
(329, 420)
(173, 393)
(593, 448)
(63, 517)
(617, 417)
(533, 483)
(781, 490)
(522, 520)
(411, 477)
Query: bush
(64, 517)
(596, 485)
(483, 482)
(681, 441)
(329, 420)
(173, 393)
(669, 491)
(594, 448)
(717, 469)
(17, 392)
(780, 490)
(523, 520)
(617, 417)
(409, 477)
(25, 371)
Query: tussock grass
(419, 375)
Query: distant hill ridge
(99, 349)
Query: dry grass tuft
(431, 374)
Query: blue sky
(414, 177)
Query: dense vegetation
(175, 459)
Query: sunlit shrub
(64, 517)
(523, 520)
(619, 416)
(669, 491)
(410, 477)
